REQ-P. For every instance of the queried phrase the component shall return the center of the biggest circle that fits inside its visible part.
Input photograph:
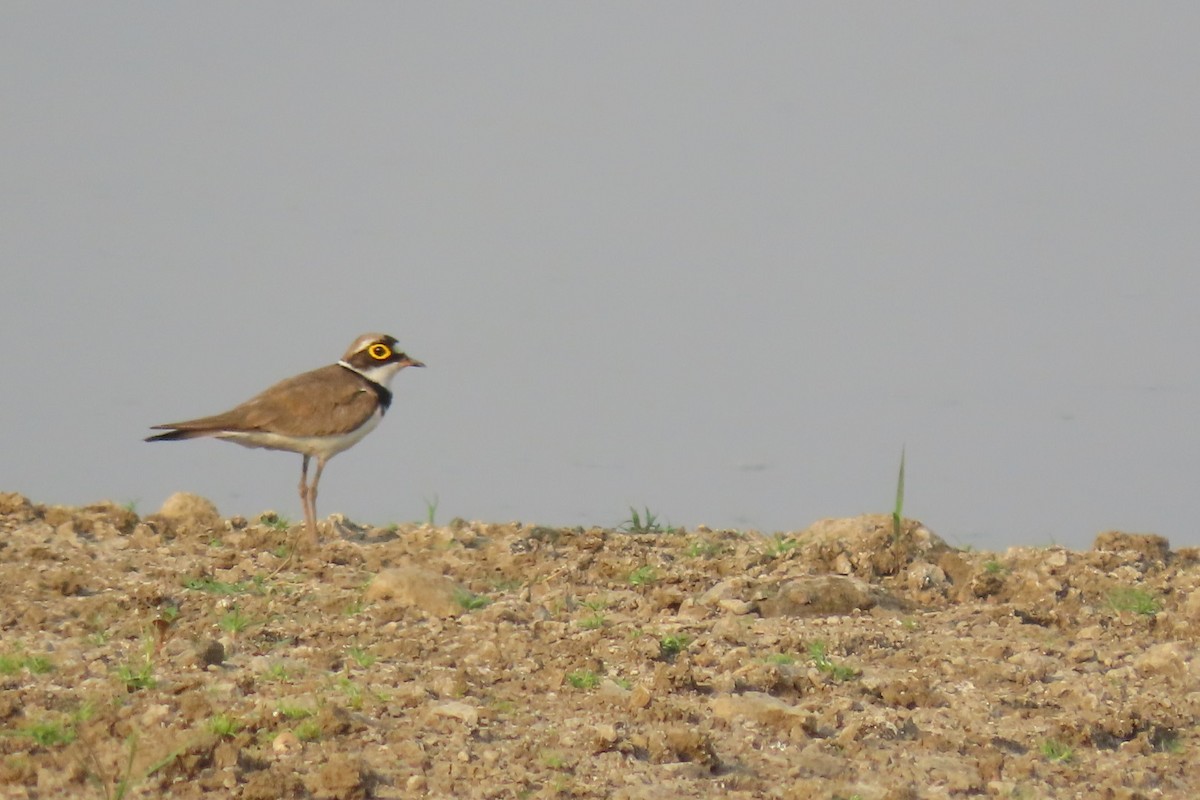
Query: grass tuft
(469, 601)
(898, 509)
(647, 522)
(1056, 751)
(671, 645)
(817, 652)
(361, 657)
(274, 521)
(1130, 598)
(431, 507)
(778, 546)
(643, 576)
(224, 726)
(234, 621)
(292, 711)
(583, 679)
(211, 586)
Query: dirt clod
(178, 656)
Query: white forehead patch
(365, 341)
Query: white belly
(319, 446)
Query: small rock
(922, 576)
(153, 716)
(614, 692)
(342, 777)
(17, 507)
(1148, 546)
(955, 567)
(273, 783)
(1191, 606)
(185, 509)
(1166, 659)
(210, 653)
(411, 586)
(285, 743)
(729, 629)
(824, 594)
(604, 736)
(119, 517)
(456, 709)
(639, 697)
(680, 744)
(1080, 653)
(757, 706)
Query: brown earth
(179, 655)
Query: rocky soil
(183, 655)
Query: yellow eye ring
(379, 352)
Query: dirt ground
(182, 655)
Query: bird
(317, 414)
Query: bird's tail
(175, 435)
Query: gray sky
(719, 259)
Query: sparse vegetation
(276, 672)
(1129, 598)
(308, 731)
(671, 645)
(292, 711)
(595, 620)
(704, 548)
(469, 601)
(781, 545)
(137, 676)
(123, 782)
(820, 659)
(592, 622)
(361, 657)
(211, 586)
(604, 659)
(646, 522)
(583, 679)
(1056, 751)
(13, 662)
(1166, 740)
(224, 726)
(898, 508)
(48, 733)
(234, 621)
(431, 507)
(643, 576)
(352, 692)
(274, 521)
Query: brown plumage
(317, 403)
(317, 414)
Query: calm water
(724, 265)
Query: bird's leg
(312, 493)
(310, 523)
(308, 497)
(304, 492)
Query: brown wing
(325, 402)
